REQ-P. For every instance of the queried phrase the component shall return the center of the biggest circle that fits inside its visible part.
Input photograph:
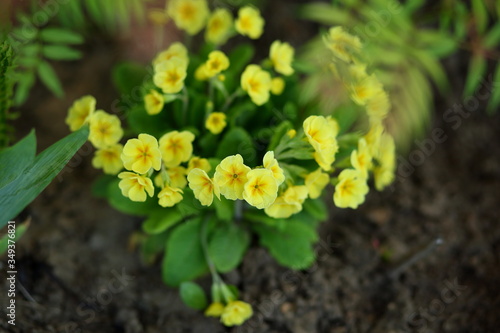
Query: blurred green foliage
(6, 84)
(406, 42)
(111, 16)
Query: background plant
(406, 48)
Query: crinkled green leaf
(193, 295)
(160, 220)
(291, 246)
(237, 141)
(184, 259)
(227, 246)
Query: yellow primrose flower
(203, 187)
(177, 176)
(169, 196)
(108, 159)
(230, 176)
(378, 106)
(169, 75)
(315, 182)
(350, 190)
(176, 147)
(105, 129)
(216, 63)
(257, 83)
(219, 26)
(373, 136)
(342, 44)
(214, 310)
(235, 313)
(134, 186)
(249, 22)
(80, 112)
(141, 154)
(201, 73)
(272, 164)
(175, 50)
(281, 55)
(364, 87)
(198, 163)
(361, 159)
(291, 133)
(216, 122)
(289, 203)
(261, 189)
(154, 102)
(321, 133)
(384, 172)
(189, 15)
(277, 85)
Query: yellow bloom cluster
(343, 45)
(249, 22)
(216, 122)
(236, 181)
(219, 26)
(105, 133)
(257, 83)
(233, 314)
(281, 55)
(189, 15)
(216, 63)
(145, 154)
(170, 69)
(351, 189)
(321, 133)
(80, 112)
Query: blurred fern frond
(33, 49)
(6, 60)
(110, 15)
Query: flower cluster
(205, 132)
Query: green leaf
(127, 206)
(480, 15)
(193, 295)
(184, 259)
(477, 69)
(152, 246)
(141, 122)
(19, 193)
(494, 102)
(14, 160)
(60, 36)
(23, 87)
(49, 78)
(128, 76)
(4, 240)
(240, 56)
(279, 134)
(60, 52)
(237, 141)
(224, 208)
(227, 246)
(101, 185)
(492, 38)
(325, 13)
(160, 220)
(316, 208)
(292, 245)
